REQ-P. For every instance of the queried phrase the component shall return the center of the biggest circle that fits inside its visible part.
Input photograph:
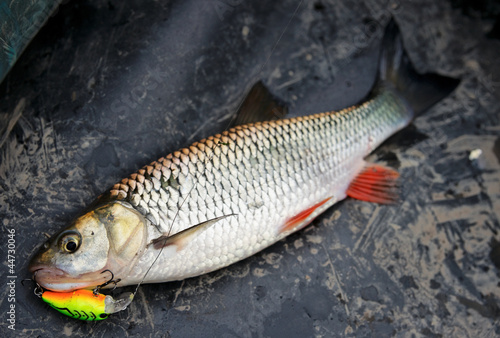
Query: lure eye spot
(69, 241)
(103, 316)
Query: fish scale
(263, 173)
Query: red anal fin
(297, 220)
(375, 183)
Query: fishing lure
(83, 304)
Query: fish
(227, 197)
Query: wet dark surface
(108, 86)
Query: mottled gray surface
(107, 86)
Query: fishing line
(210, 157)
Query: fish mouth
(55, 279)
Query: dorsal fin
(259, 105)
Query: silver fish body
(261, 174)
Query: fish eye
(69, 241)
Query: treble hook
(38, 290)
(111, 280)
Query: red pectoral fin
(375, 183)
(301, 219)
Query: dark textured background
(20, 21)
(108, 86)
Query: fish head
(109, 238)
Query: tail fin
(421, 91)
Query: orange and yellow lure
(85, 305)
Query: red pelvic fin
(300, 220)
(375, 183)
